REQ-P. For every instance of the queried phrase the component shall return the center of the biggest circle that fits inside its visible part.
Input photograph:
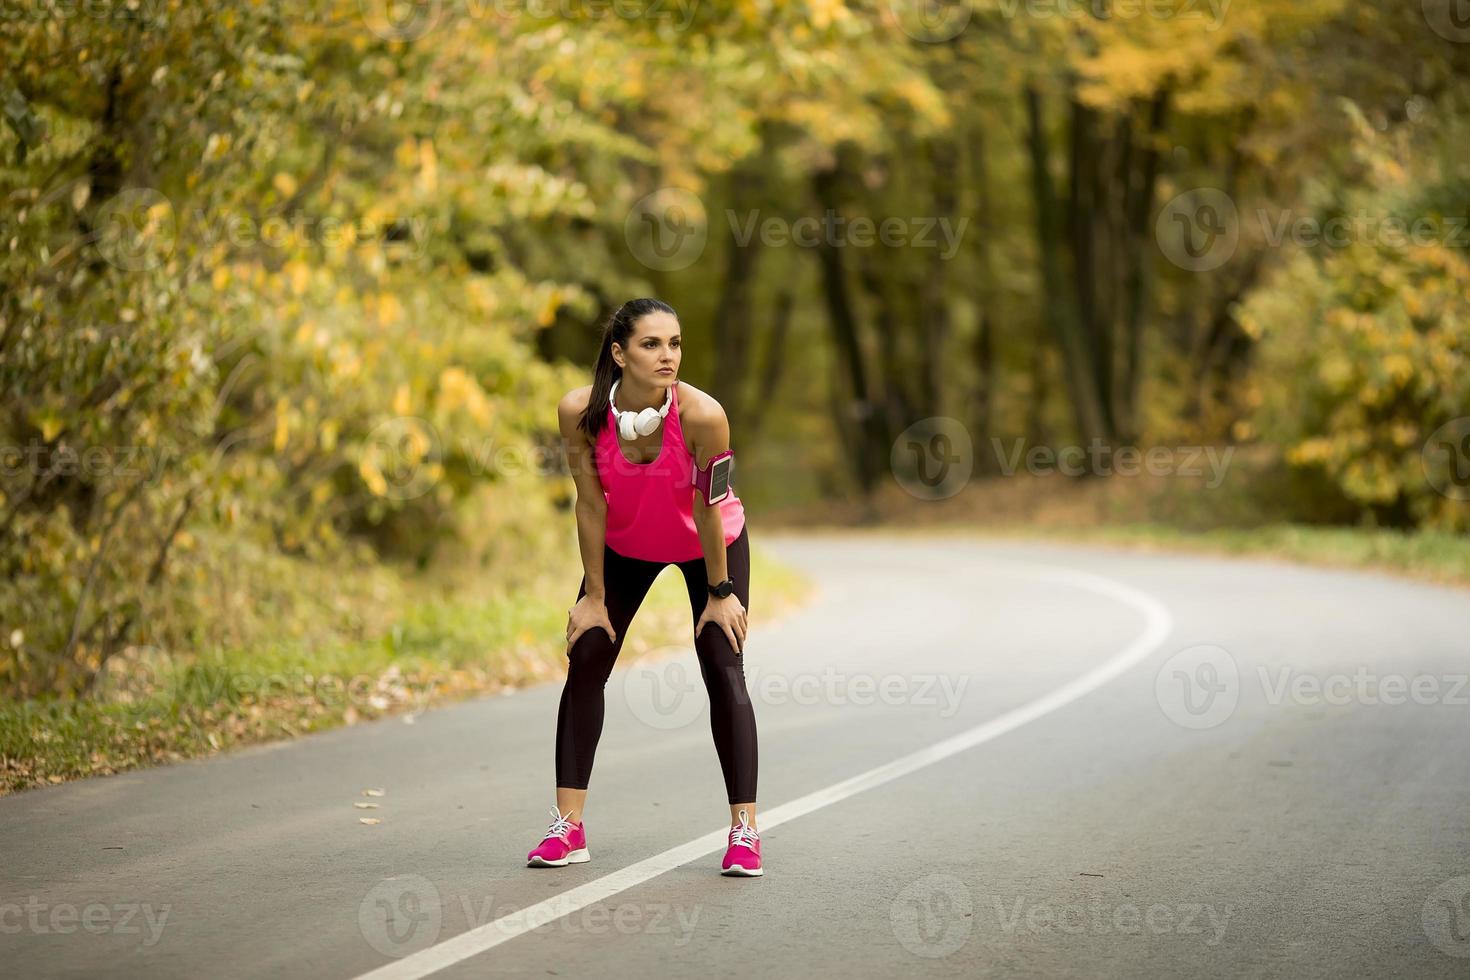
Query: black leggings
(591, 658)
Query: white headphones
(634, 424)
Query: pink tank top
(650, 506)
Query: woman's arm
(591, 506)
(710, 431)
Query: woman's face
(652, 354)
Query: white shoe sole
(575, 857)
(737, 871)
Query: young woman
(633, 440)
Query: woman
(639, 510)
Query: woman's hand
(587, 614)
(730, 614)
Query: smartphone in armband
(716, 479)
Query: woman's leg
(731, 714)
(589, 663)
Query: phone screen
(719, 478)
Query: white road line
(492, 934)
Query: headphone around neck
(634, 424)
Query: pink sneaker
(743, 857)
(565, 843)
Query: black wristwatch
(723, 589)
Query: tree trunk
(861, 415)
(734, 319)
(1059, 311)
(1136, 279)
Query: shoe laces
(561, 826)
(744, 833)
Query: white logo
(1199, 686)
(400, 914)
(663, 693)
(932, 917)
(667, 230)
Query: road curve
(977, 758)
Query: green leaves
(23, 121)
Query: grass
(1252, 518)
(443, 647)
(1424, 555)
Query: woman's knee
(591, 657)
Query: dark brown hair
(619, 327)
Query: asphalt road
(977, 759)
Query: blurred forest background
(288, 292)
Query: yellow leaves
(1250, 325)
(402, 400)
(428, 168)
(49, 423)
(925, 99)
(1404, 434)
(298, 274)
(406, 154)
(826, 12)
(1399, 368)
(1316, 450)
(389, 309)
(283, 424)
(484, 300)
(752, 11)
(372, 477)
(221, 277)
(1336, 371)
(1370, 478)
(547, 314)
(406, 452)
(457, 388)
(284, 183)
